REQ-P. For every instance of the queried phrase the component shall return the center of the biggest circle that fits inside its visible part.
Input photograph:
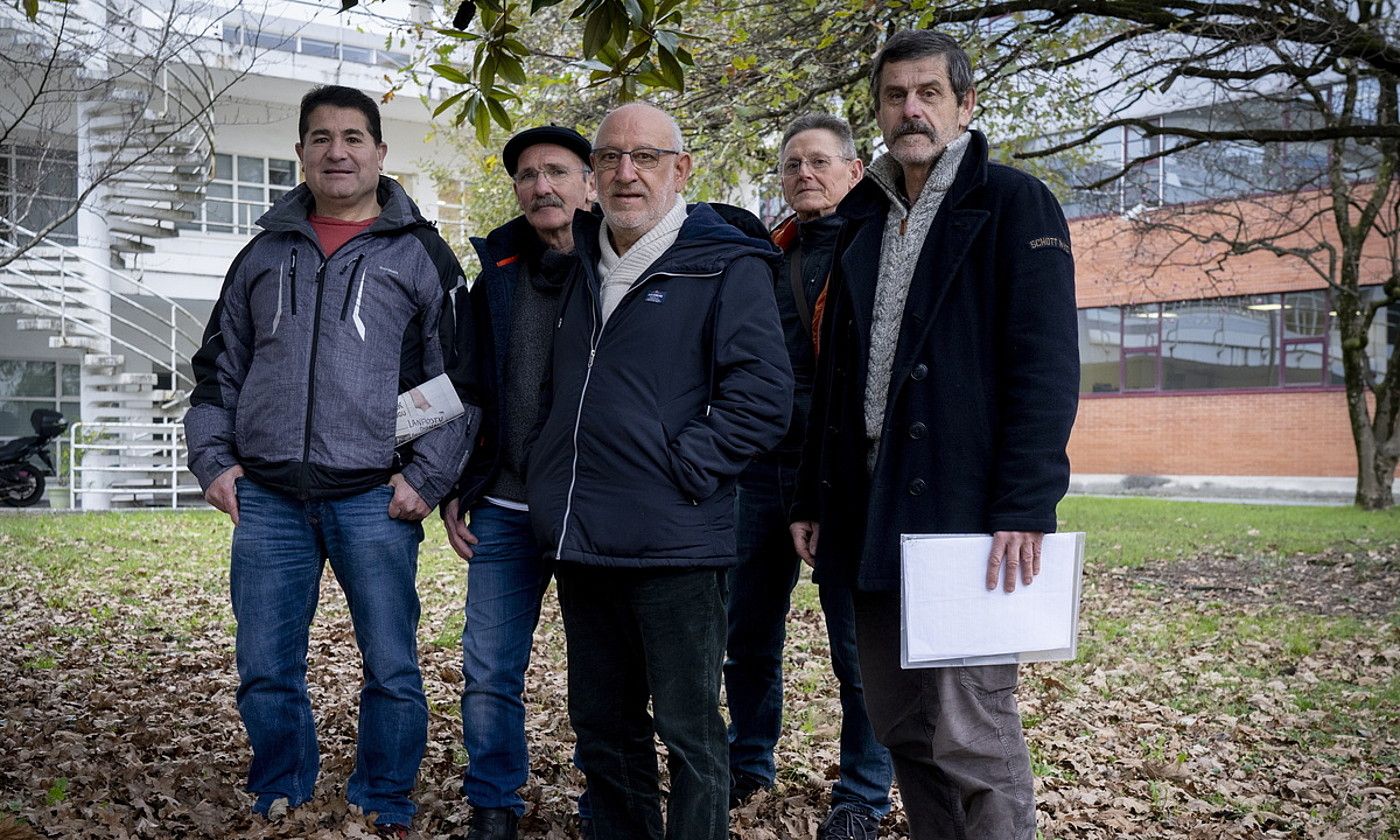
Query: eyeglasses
(553, 174)
(818, 164)
(643, 157)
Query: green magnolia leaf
(536, 5)
(511, 69)
(498, 113)
(486, 78)
(347, 5)
(667, 39)
(671, 70)
(31, 9)
(449, 102)
(596, 32)
(481, 121)
(635, 14)
(450, 73)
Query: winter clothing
(652, 415)
(984, 382)
(305, 356)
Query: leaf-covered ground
(1237, 678)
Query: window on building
(242, 189)
(452, 214)
(1245, 342)
(37, 186)
(240, 36)
(27, 385)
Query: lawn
(1237, 678)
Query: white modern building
(185, 114)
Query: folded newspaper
(425, 407)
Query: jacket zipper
(596, 338)
(350, 287)
(304, 483)
(294, 281)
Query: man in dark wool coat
(945, 392)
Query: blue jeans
(648, 634)
(506, 580)
(279, 550)
(760, 596)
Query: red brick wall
(1284, 433)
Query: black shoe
(742, 789)
(492, 824)
(849, 822)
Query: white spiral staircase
(148, 136)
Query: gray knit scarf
(906, 227)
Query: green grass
(1129, 532)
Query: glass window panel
(247, 215)
(1305, 314)
(219, 211)
(14, 418)
(1140, 372)
(220, 191)
(72, 380)
(1222, 343)
(232, 34)
(223, 167)
(274, 195)
(1303, 364)
(393, 59)
(359, 55)
(72, 412)
(258, 194)
(1140, 326)
(1383, 335)
(282, 173)
(272, 41)
(1100, 339)
(324, 49)
(26, 379)
(250, 169)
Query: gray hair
(912, 44)
(823, 122)
(677, 139)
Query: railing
(111, 441)
(182, 324)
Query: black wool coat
(984, 385)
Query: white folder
(950, 619)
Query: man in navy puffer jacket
(669, 374)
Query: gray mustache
(546, 201)
(915, 127)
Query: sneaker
(492, 824)
(276, 809)
(849, 822)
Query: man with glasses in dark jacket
(524, 265)
(668, 375)
(819, 166)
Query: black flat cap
(558, 135)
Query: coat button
(919, 372)
(917, 487)
(917, 431)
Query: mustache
(546, 201)
(915, 127)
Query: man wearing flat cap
(524, 264)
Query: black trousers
(636, 635)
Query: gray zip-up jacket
(305, 356)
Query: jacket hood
(706, 243)
(292, 211)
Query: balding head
(641, 167)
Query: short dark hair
(911, 44)
(339, 96)
(823, 122)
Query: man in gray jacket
(346, 298)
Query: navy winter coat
(653, 415)
(984, 385)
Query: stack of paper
(951, 619)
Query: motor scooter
(24, 461)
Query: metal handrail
(72, 319)
(96, 438)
